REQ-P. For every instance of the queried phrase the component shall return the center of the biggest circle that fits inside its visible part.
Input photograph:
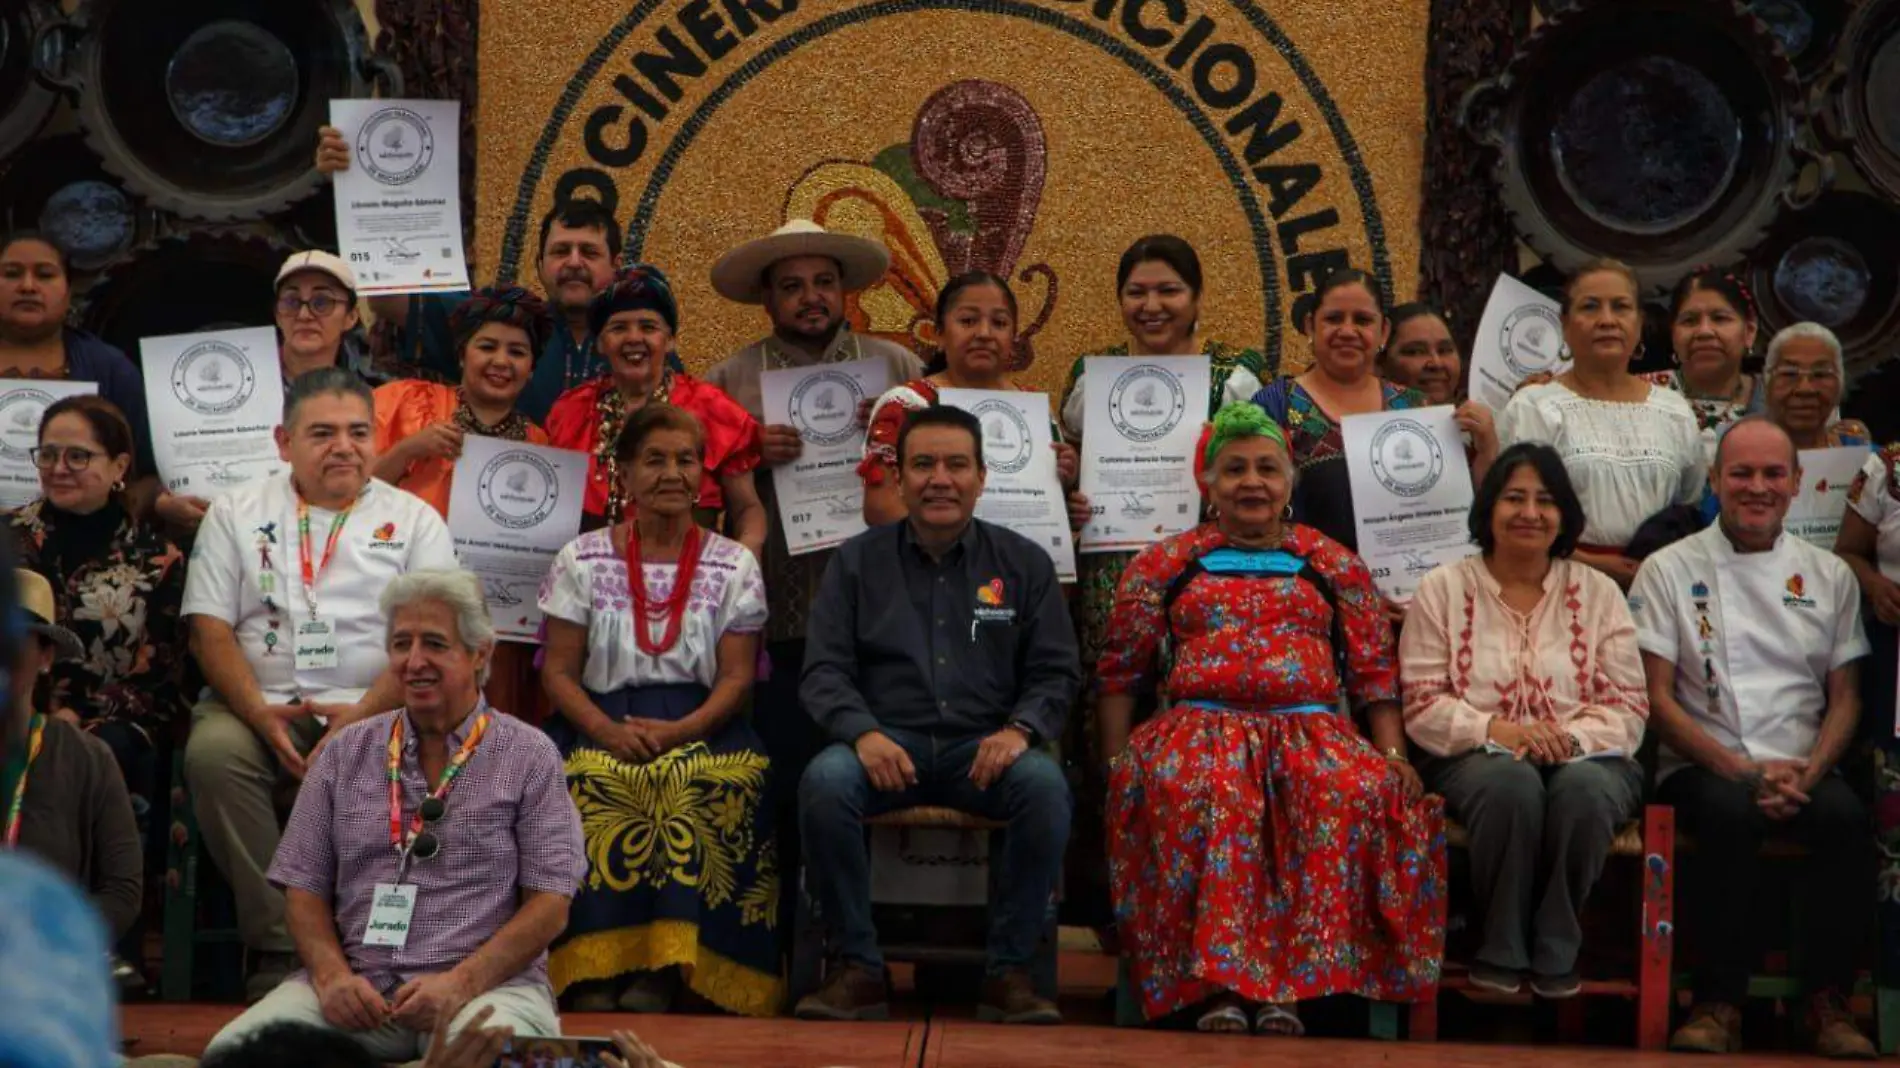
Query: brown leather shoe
(1835, 1035)
(1712, 1028)
(850, 992)
(1012, 999)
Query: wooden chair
(808, 943)
(1653, 839)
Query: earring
(1286, 513)
(119, 486)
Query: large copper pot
(201, 280)
(209, 108)
(57, 187)
(1835, 265)
(1861, 94)
(1667, 134)
(27, 42)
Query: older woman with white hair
(1806, 375)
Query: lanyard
(36, 738)
(449, 775)
(311, 575)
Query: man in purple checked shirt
(443, 898)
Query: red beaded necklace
(671, 608)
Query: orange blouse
(407, 407)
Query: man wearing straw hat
(800, 274)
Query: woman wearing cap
(1249, 812)
(71, 808)
(116, 582)
(634, 321)
(420, 426)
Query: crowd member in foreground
(280, 597)
(1523, 682)
(634, 321)
(682, 884)
(941, 660)
(1251, 796)
(1632, 449)
(1749, 638)
(433, 850)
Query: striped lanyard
(312, 574)
(449, 775)
(17, 803)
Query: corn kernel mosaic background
(1035, 138)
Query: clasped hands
(890, 768)
(1780, 786)
(1541, 742)
(350, 1002)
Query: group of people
(1221, 728)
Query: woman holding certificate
(1348, 326)
(1423, 356)
(976, 327)
(420, 426)
(634, 322)
(1523, 682)
(1632, 449)
(652, 640)
(1249, 812)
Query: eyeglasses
(47, 457)
(1793, 376)
(426, 845)
(291, 305)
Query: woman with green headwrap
(1262, 851)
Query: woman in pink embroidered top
(1522, 680)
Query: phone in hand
(529, 1051)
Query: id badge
(389, 915)
(315, 645)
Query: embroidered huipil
(1466, 657)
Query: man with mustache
(1749, 638)
(280, 599)
(800, 274)
(579, 245)
(940, 659)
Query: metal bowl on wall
(1834, 265)
(1862, 94)
(66, 195)
(210, 108)
(25, 103)
(1666, 134)
(203, 280)
(1806, 30)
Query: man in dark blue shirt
(940, 657)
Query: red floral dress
(580, 420)
(1255, 849)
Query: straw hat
(36, 599)
(740, 273)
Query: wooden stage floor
(957, 1042)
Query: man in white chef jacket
(281, 605)
(1749, 637)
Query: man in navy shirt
(940, 658)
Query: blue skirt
(681, 866)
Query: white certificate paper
(1817, 509)
(511, 509)
(399, 205)
(820, 497)
(1411, 494)
(214, 400)
(1023, 491)
(1521, 334)
(22, 402)
(1144, 416)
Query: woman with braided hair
(1261, 850)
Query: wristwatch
(1028, 732)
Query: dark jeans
(835, 796)
(791, 740)
(1832, 894)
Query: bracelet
(1395, 754)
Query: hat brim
(740, 274)
(66, 644)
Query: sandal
(1225, 1018)
(1278, 1020)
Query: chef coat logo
(1006, 440)
(989, 604)
(1146, 403)
(395, 146)
(825, 408)
(1406, 458)
(20, 412)
(517, 489)
(1531, 340)
(1797, 597)
(213, 378)
(384, 537)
